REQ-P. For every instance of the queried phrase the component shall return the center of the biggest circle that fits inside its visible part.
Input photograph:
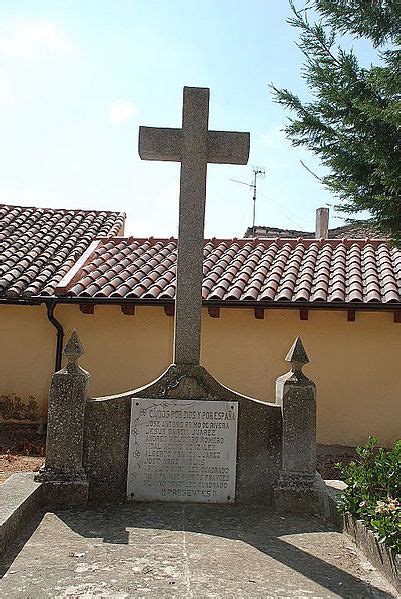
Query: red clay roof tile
(249, 270)
(38, 246)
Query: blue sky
(78, 77)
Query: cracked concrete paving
(181, 551)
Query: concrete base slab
(298, 501)
(300, 494)
(378, 554)
(187, 550)
(60, 494)
(20, 499)
(333, 489)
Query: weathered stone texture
(377, 553)
(20, 498)
(299, 487)
(106, 448)
(65, 482)
(107, 435)
(194, 146)
(65, 420)
(187, 551)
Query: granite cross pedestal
(194, 146)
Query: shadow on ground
(236, 546)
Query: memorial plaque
(182, 450)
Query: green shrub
(373, 491)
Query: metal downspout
(50, 305)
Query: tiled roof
(268, 270)
(38, 246)
(348, 231)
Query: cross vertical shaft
(194, 146)
(188, 305)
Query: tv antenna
(257, 171)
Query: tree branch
(311, 172)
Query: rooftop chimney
(322, 223)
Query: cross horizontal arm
(194, 146)
(160, 143)
(228, 147)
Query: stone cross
(194, 146)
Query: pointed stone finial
(73, 349)
(297, 356)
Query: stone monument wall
(184, 437)
(107, 431)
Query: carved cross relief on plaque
(193, 146)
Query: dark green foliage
(378, 20)
(373, 491)
(354, 121)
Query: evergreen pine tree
(354, 121)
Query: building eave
(250, 304)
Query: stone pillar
(298, 487)
(63, 476)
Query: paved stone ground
(182, 551)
